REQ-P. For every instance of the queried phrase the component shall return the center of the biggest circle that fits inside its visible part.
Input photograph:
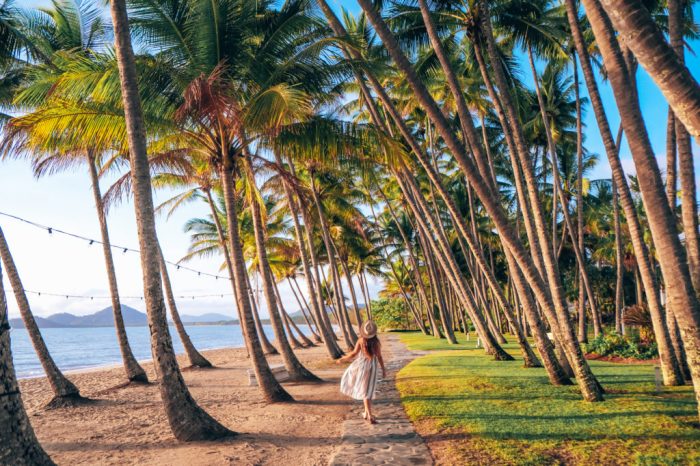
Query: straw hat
(368, 329)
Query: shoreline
(116, 365)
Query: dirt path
(393, 440)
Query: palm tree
(642, 35)
(78, 29)
(187, 420)
(590, 387)
(669, 361)
(672, 259)
(18, 443)
(65, 393)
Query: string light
(92, 298)
(92, 241)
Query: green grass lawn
(473, 410)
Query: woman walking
(360, 378)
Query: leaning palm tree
(682, 298)
(187, 420)
(77, 29)
(18, 443)
(65, 393)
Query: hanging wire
(92, 297)
(92, 241)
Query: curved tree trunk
(134, 372)
(271, 389)
(194, 356)
(297, 372)
(581, 302)
(589, 385)
(337, 293)
(317, 307)
(268, 348)
(619, 297)
(672, 258)
(65, 393)
(641, 34)
(303, 308)
(669, 363)
(187, 420)
(595, 314)
(18, 443)
(689, 210)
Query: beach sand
(127, 425)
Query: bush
(392, 314)
(613, 344)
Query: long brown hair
(370, 346)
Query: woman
(360, 379)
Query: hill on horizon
(105, 318)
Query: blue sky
(52, 263)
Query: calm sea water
(80, 348)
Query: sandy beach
(126, 425)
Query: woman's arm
(350, 355)
(381, 361)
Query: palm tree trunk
(222, 243)
(297, 371)
(134, 372)
(689, 211)
(671, 162)
(303, 307)
(619, 297)
(597, 323)
(18, 443)
(65, 393)
(194, 356)
(657, 57)
(353, 296)
(672, 257)
(337, 290)
(187, 420)
(581, 302)
(270, 387)
(289, 323)
(589, 385)
(267, 347)
(317, 308)
(669, 363)
(365, 291)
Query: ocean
(82, 348)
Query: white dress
(360, 378)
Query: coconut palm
(76, 28)
(187, 420)
(672, 258)
(65, 392)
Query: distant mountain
(209, 317)
(103, 318)
(41, 322)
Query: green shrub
(613, 344)
(392, 314)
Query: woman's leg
(368, 409)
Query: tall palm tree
(76, 28)
(18, 443)
(589, 385)
(187, 420)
